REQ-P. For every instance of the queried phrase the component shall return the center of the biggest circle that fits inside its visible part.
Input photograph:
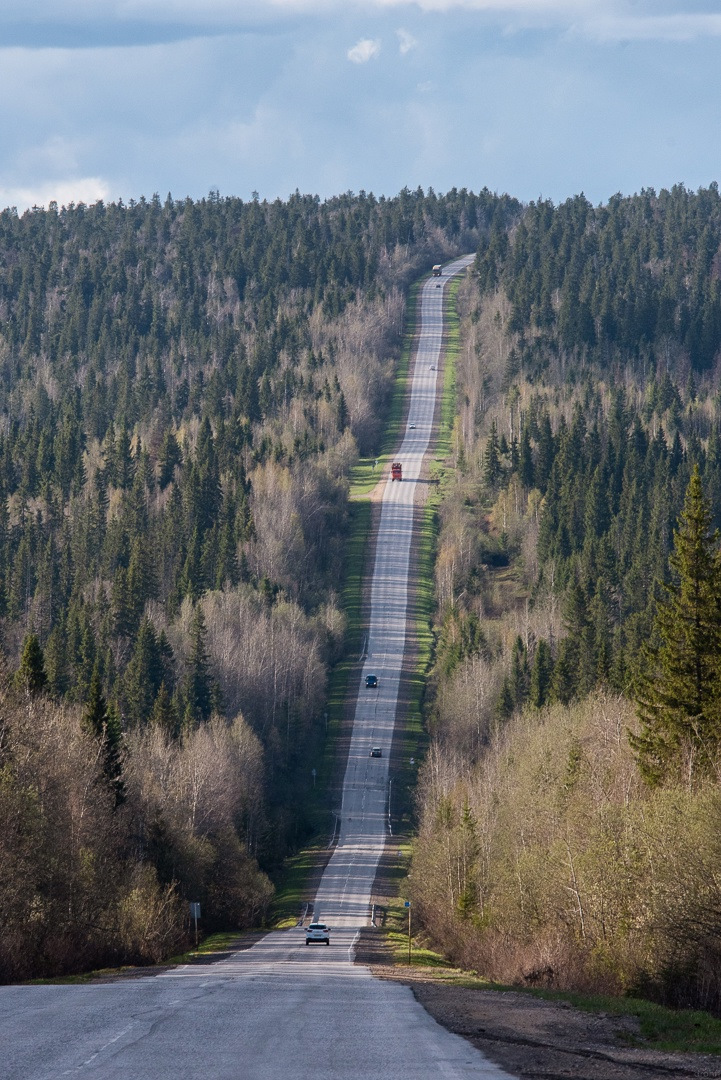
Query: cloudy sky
(122, 98)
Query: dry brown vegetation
(550, 863)
(84, 883)
(541, 856)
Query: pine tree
(30, 677)
(679, 685)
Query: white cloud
(406, 41)
(364, 50)
(86, 189)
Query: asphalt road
(345, 890)
(281, 1010)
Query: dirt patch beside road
(532, 1038)
(545, 1040)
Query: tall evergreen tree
(198, 683)
(103, 722)
(492, 457)
(679, 684)
(31, 677)
(541, 674)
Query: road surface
(281, 1010)
(345, 890)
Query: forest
(184, 388)
(568, 803)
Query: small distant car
(317, 934)
(438, 286)
(431, 367)
(376, 752)
(371, 681)
(412, 427)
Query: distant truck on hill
(396, 471)
(437, 269)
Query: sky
(538, 98)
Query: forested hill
(183, 389)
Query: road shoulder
(531, 1037)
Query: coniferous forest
(184, 387)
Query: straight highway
(281, 1010)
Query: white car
(317, 934)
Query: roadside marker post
(195, 915)
(407, 904)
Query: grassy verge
(290, 895)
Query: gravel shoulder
(533, 1038)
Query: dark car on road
(371, 681)
(376, 751)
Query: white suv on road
(317, 933)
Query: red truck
(396, 471)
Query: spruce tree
(520, 675)
(677, 690)
(541, 674)
(169, 457)
(30, 676)
(198, 684)
(492, 458)
(525, 459)
(103, 723)
(565, 672)
(164, 715)
(143, 675)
